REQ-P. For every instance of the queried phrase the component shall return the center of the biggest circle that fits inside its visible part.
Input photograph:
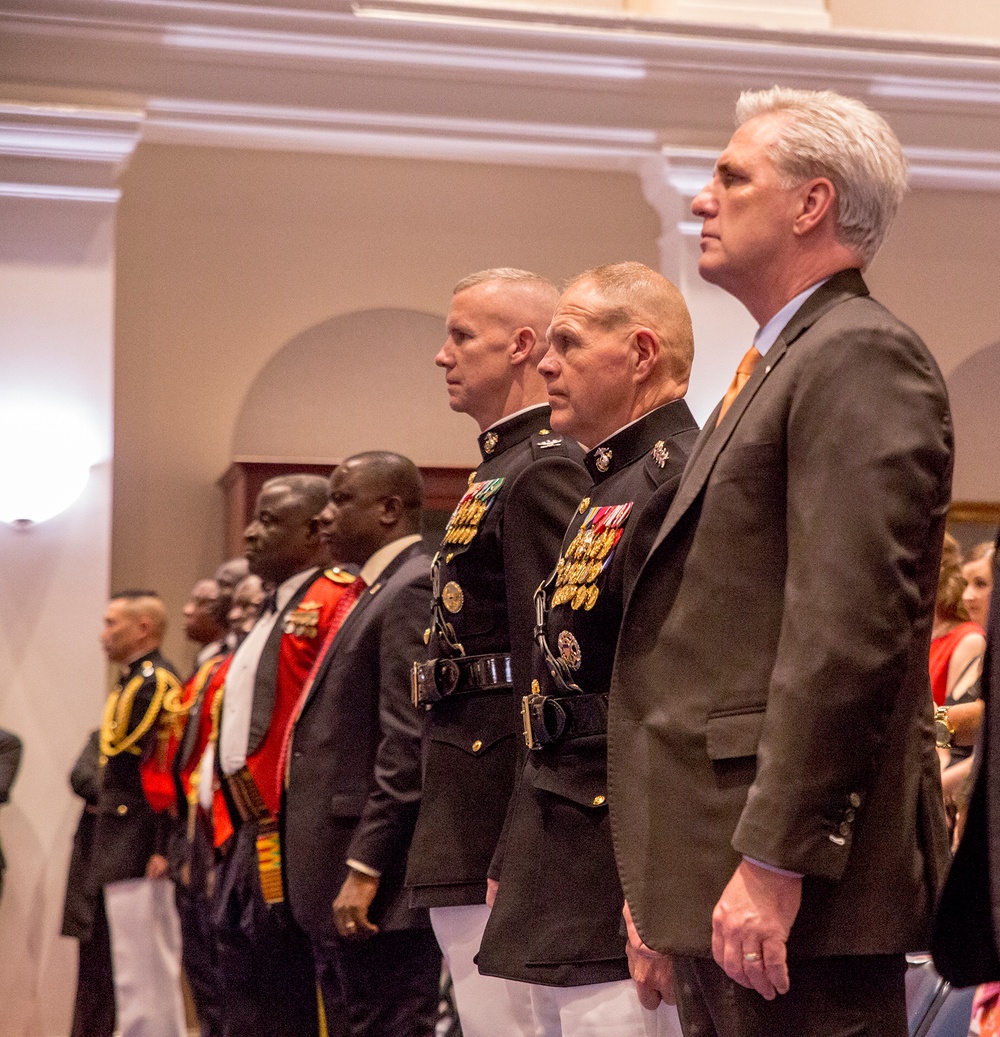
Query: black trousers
(267, 980)
(198, 942)
(385, 986)
(94, 1008)
(861, 996)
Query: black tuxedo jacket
(771, 695)
(966, 946)
(354, 774)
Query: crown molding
(427, 79)
(64, 152)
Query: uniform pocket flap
(734, 735)
(581, 778)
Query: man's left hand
(652, 972)
(350, 909)
(750, 927)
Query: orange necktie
(750, 360)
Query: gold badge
(569, 649)
(584, 504)
(472, 477)
(660, 453)
(592, 595)
(579, 598)
(452, 597)
(490, 441)
(603, 458)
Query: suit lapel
(847, 284)
(354, 617)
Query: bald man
(130, 835)
(501, 541)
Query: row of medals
(579, 568)
(464, 522)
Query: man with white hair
(774, 787)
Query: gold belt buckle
(529, 738)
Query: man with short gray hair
(501, 541)
(774, 787)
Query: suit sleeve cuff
(372, 873)
(767, 867)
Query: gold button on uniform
(122, 809)
(477, 745)
(598, 801)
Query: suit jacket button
(845, 828)
(598, 801)
(854, 799)
(477, 745)
(122, 809)
(849, 814)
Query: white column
(765, 14)
(58, 169)
(723, 330)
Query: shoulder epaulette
(339, 575)
(545, 441)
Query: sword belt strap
(463, 675)
(549, 718)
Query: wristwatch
(943, 731)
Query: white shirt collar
(376, 565)
(768, 334)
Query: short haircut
(311, 490)
(951, 583)
(230, 572)
(391, 475)
(506, 274)
(638, 295)
(146, 604)
(828, 135)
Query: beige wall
(969, 19)
(225, 256)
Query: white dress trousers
(146, 957)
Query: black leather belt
(463, 675)
(549, 719)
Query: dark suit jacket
(354, 779)
(771, 695)
(966, 947)
(10, 760)
(81, 898)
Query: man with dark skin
(264, 960)
(353, 774)
(205, 619)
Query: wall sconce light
(46, 452)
